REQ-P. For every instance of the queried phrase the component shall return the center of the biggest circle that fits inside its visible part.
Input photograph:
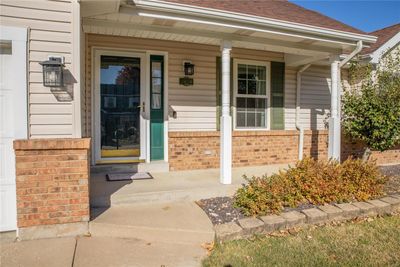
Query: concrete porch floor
(168, 186)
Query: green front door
(157, 108)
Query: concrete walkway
(169, 186)
(142, 235)
(141, 223)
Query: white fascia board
(377, 54)
(239, 17)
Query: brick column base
(52, 180)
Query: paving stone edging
(311, 216)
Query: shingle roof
(383, 35)
(273, 9)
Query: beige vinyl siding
(195, 105)
(50, 24)
(315, 97)
(290, 98)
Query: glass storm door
(120, 106)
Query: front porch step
(192, 194)
(179, 223)
(153, 167)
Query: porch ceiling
(130, 20)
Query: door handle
(142, 106)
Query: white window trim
(266, 64)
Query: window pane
(241, 119)
(242, 71)
(260, 119)
(242, 87)
(261, 88)
(260, 103)
(261, 73)
(5, 47)
(156, 85)
(251, 72)
(251, 103)
(241, 102)
(251, 119)
(156, 69)
(155, 101)
(252, 87)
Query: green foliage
(372, 112)
(310, 181)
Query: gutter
(177, 8)
(358, 49)
(298, 95)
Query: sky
(366, 15)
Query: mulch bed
(393, 185)
(220, 209)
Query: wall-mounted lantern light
(189, 68)
(53, 72)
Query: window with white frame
(251, 94)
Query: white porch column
(226, 119)
(334, 120)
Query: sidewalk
(168, 234)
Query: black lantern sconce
(53, 72)
(189, 68)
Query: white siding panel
(35, 14)
(315, 97)
(50, 113)
(50, 36)
(55, 130)
(290, 98)
(51, 109)
(51, 119)
(35, 24)
(58, 6)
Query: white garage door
(13, 116)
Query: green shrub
(310, 181)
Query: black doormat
(128, 176)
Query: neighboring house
(164, 85)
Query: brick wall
(52, 179)
(200, 150)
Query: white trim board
(377, 54)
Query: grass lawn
(373, 243)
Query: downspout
(352, 54)
(298, 95)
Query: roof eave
(177, 8)
(377, 54)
